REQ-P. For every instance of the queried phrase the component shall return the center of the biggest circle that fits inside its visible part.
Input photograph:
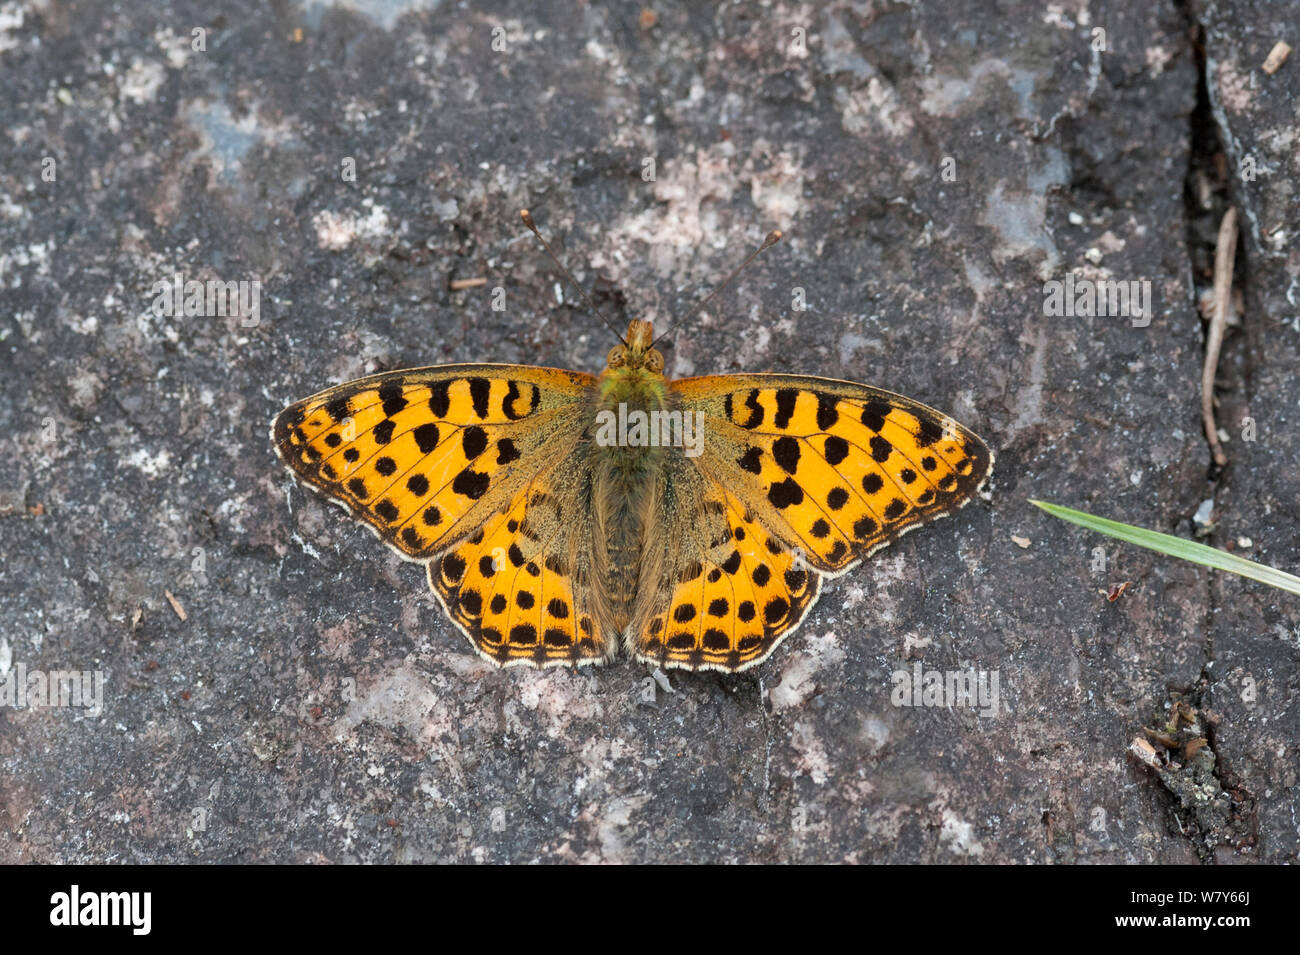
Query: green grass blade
(1175, 547)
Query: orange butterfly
(689, 523)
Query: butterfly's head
(638, 352)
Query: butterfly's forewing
(456, 456)
(836, 468)
(827, 471)
(424, 456)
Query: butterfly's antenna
(528, 221)
(772, 239)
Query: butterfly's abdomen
(627, 468)
(625, 527)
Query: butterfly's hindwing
(424, 456)
(729, 610)
(510, 585)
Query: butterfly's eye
(654, 361)
(617, 356)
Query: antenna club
(772, 239)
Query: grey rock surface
(933, 166)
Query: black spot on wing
(479, 389)
(715, 640)
(929, 433)
(751, 460)
(440, 398)
(453, 567)
(775, 610)
(426, 437)
(471, 484)
(506, 451)
(827, 413)
(474, 441)
(836, 450)
(785, 400)
(785, 450)
(337, 408)
(786, 493)
(390, 394)
(510, 403)
(873, 414)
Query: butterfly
(566, 519)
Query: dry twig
(1224, 254)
